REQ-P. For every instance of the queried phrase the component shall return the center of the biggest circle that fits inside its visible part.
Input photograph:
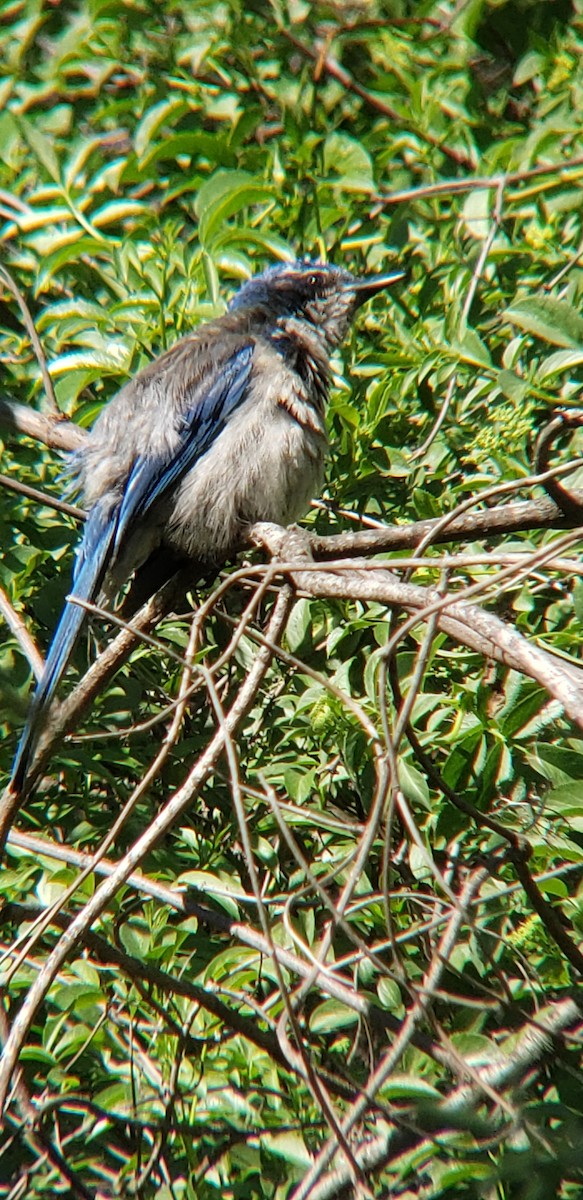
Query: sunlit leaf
(554, 321)
(346, 158)
(226, 193)
(154, 119)
(41, 146)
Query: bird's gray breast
(266, 465)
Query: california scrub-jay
(224, 429)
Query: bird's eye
(313, 281)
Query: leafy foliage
(151, 157)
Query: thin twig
(24, 489)
(18, 628)
(28, 323)
(453, 187)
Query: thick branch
(49, 428)
(466, 623)
(489, 522)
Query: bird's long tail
(90, 567)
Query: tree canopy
(295, 904)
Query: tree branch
(50, 428)
(490, 522)
(465, 623)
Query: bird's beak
(371, 284)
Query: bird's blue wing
(106, 528)
(202, 424)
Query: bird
(224, 429)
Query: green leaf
(289, 1146)
(299, 625)
(135, 941)
(52, 215)
(389, 994)
(70, 250)
(413, 784)
(117, 210)
(554, 321)
(331, 1015)
(476, 213)
(555, 364)
(193, 144)
(472, 349)
(153, 120)
(41, 146)
(116, 358)
(345, 157)
(459, 1173)
(512, 386)
(223, 890)
(530, 65)
(567, 799)
(226, 193)
(409, 1087)
(559, 764)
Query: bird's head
(323, 295)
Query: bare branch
(457, 187)
(53, 430)
(491, 522)
(466, 623)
